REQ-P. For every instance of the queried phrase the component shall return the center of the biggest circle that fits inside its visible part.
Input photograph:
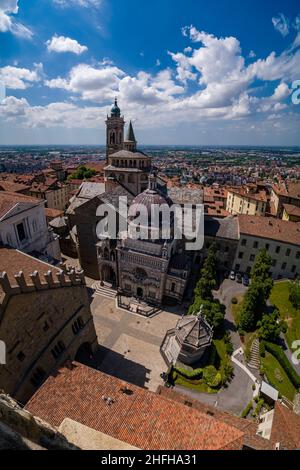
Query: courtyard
(129, 344)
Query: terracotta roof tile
(140, 417)
(9, 199)
(268, 227)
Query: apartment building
(280, 238)
(248, 200)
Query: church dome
(115, 110)
(150, 197)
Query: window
(58, 349)
(244, 242)
(283, 266)
(298, 255)
(252, 257)
(267, 246)
(288, 252)
(77, 325)
(21, 356)
(277, 249)
(255, 245)
(293, 268)
(173, 287)
(274, 262)
(21, 231)
(241, 254)
(237, 267)
(38, 377)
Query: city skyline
(199, 75)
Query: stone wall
(20, 430)
(42, 324)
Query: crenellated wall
(43, 322)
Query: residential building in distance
(284, 193)
(291, 212)
(280, 238)
(250, 200)
(45, 319)
(23, 226)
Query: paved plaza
(129, 343)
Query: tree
(82, 173)
(208, 275)
(213, 311)
(258, 293)
(271, 326)
(294, 297)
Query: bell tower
(114, 131)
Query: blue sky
(186, 72)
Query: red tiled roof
(244, 192)
(286, 427)
(53, 213)
(289, 189)
(12, 186)
(13, 261)
(292, 210)
(139, 417)
(9, 199)
(249, 428)
(268, 227)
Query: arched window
(112, 138)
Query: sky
(184, 71)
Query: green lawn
(280, 298)
(277, 376)
(236, 309)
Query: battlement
(49, 280)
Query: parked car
(246, 280)
(239, 278)
(232, 275)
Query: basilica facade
(149, 270)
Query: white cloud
(7, 21)
(80, 3)
(211, 81)
(64, 44)
(281, 24)
(91, 83)
(16, 78)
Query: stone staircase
(254, 362)
(106, 290)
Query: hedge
(195, 374)
(247, 409)
(279, 354)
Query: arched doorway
(84, 354)
(140, 293)
(109, 275)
